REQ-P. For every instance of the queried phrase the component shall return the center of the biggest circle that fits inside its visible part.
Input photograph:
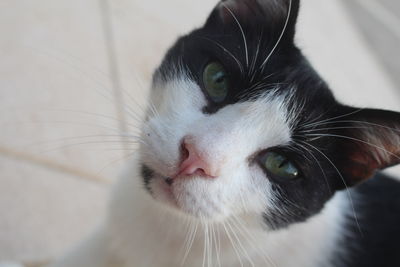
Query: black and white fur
(243, 217)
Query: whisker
(129, 95)
(319, 165)
(214, 240)
(87, 143)
(108, 94)
(190, 242)
(358, 140)
(204, 244)
(55, 165)
(233, 244)
(80, 137)
(208, 250)
(90, 114)
(242, 32)
(188, 229)
(239, 242)
(226, 51)
(334, 128)
(109, 164)
(252, 70)
(252, 240)
(364, 122)
(280, 37)
(63, 122)
(331, 119)
(344, 182)
(211, 240)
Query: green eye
(216, 82)
(279, 166)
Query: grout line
(382, 14)
(113, 66)
(50, 164)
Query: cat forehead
(256, 54)
(286, 74)
(249, 57)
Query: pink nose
(193, 163)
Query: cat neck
(149, 234)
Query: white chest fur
(141, 232)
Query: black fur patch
(375, 240)
(147, 175)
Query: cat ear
(369, 140)
(273, 14)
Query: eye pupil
(283, 163)
(220, 80)
(215, 82)
(279, 166)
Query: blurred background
(74, 74)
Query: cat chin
(190, 197)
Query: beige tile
(333, 43)
(44, 212)
(54, 67)
(379, 22)
(53, 59)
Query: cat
(247, 159)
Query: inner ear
(369, 140)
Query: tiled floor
(73, 73)
(379, 22)
(47, 49)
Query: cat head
(241, 123)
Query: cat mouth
(159, 185)
(169, 181)
(197, 174)
(187, 194)
(181, 193)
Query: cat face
(241, 123)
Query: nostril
(201, 172)
(192, 162)
(184, 152)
